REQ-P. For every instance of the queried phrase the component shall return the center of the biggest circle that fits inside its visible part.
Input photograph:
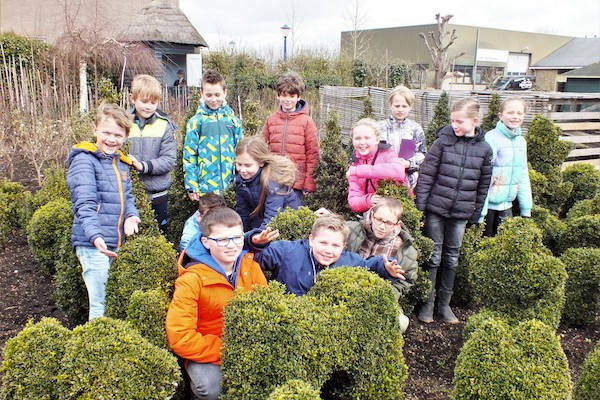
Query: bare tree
(295, 35)
(438, 43)
(358, 17)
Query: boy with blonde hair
(152, 145)
(405, 135)
(103, 204)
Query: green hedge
(31, 361)
(549, 190)
(585, 179)
(581, 232)
(293, 224)
(472, 241)
(147, 312)
(552, 228)
(148, 226)
(582, 290)
(516, 275)
(588, 384)
(295, 390)
(54, 187)
(545, 150)
(585, 207)
(14, 208)
(70, 292)
(144, 263)
(46, 229)
(107, 359)
(500, 362)
(342, 337)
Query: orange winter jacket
(194, 322)
(294, 134)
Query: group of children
(465, 176)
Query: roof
(589, 71)
(162, 21)
(576, 53)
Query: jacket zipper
(462, 169)
(120, 184)
(287, 117)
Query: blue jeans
(95, 267)
(205, 380)
(447, 235)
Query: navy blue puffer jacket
(101, 195)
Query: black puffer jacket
(455, 177)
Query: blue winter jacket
(101, 195)
(510, 175)
(294, 265)
(247, 194)
(190, 229)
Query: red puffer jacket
(294, 135)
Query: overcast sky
(254, 25)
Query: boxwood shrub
(70, 292)
(53, 188)
(107, 359)
(46, 229)
(585, 207)
(549, 190)
(588, 383)
(148, 226)
(147, 312)
(516, 275)
(552, 228)
(295, 390)
(545, 150)
(31, 361)
(293, 224)
(14, 208)
(581, 232)
(463, 292)
(342, 338)
(583, 285)
(144, 263)
(585, 179)
(499, 362)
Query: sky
(255, 25)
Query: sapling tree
(441, 118)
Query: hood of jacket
(88, 147)
(500, 127)
(204, 109)
(383, 145)
(447, 135)
(301, 108)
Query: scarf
(372, 246)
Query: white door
(517, 63)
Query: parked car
(514, 83)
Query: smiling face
(513, 114)
(144, 108)
(227, 255)
(213, 94)
(327, 245)
(246, 166)
(399, 107)
(462, 124)
(364, 139)
(288, 101)
(384, 223)
(109, 135)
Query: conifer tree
(491, 118)
(367, 108)
(441, 118)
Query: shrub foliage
(293, 224)
(545, 151)
(587, 386)
(147, 312)
(13, 208)
(582, 290)
(581, 232)
(586, 182)
(441, 118)
(295, 389)
(472, 242)
(70, 292)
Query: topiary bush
(54, 187)
(549, 191)
(581, 232)
(588, 383)
(342, 338)
(31, 361)
(552, 228)
(107, 359)
(295, 389)
(14, 208)
(144, 263)
(582, 290)
(585, 207)
(513, 273)
(491, 118)
(47, 227)
(586, 182)
(70, 292)
(293, 224)
(441, 118)
(499, 362)
(147, 312)
(148, 226)
(545, 150)
(472, 242)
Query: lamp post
(285, 30)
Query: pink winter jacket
(364, 175)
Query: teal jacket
(510, 176)
(209, 149)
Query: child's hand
(136, 164)
(393, 269)
(193, 196)
(266, 236)
(101, 246)
(322, 211)
(404, 162)
(131, 225)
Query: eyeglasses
(379, 221)
(224, 242)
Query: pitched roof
(576, 53)
(162, 21)
(589, 71)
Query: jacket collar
(383, 145)
(500, 127)
(89, 147)
(447, 135)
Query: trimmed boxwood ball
(585, 179)
(499, 362)
(513, 273)
(14, 206)
(31, 361)
(472, 241)
(143, 263)
(295, 390)
(107, 359)
(585, 207)
(70, 292)
(342, 337)
(293, 224)
(148, 226)
(545, 150)
(581, 232)
(588, 385)
(53, 188)
(147, 312)
(552, 228)
(583, 285)
(46, 228)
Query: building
(577, 53)
(583, 80)
(500, 52)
